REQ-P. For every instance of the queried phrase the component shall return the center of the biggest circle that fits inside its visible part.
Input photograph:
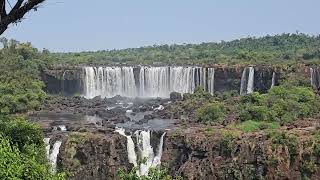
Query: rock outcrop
(93, 155)
(195, 153)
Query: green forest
(281, 49)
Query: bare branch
(17, 5)
(3, 12)
(17, 12)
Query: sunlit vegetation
(282, 49)
(20, 84)
(22, 151)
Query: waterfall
(157, 159)
(62, 81)
(109, 82)
(211, 80)
(145, 151)
(182, 79)
(47, 144)
(130, 147)
(315, 77)
(141, 81)
(243, 82)
(52, 157)
(152, 81)
(250, 86)
(273, 80)
(247, 84)
(54, 154)
(312, 77)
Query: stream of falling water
(273, 80)
(247, 83)
(146, 153)
(53, 155)
(315, 77)
(148, 82)
(250, 86)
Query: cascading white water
(250, 86)
(152, 81)
(182, 79)
(312, 76)
(145, 150)
(52, 157)
(243, 82)
(47, 144)
(62, 82)
(247, 84)
(132, 156)
(109, 82)
(54, 154)
(315, 77)
(211, 80)
(157, 159)
(273, 80)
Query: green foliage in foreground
(154, 174)
(211, 112)
(20, 86)
(282, 104)
(22, 154)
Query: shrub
(20, 132)
(281, 103)
(20, 87)
(255, 113)
(211, 112)
(282, 138)
(199, 92)
(22, 152)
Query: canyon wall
(199, 153)
(144, 81)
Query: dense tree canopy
(284, 48)
(20, 85)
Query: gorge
(139, 88)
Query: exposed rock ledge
(199, 153)
(195, 153)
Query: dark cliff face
(227, 78)
(93, 155)
(65, 82)
(195, 154)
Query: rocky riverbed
(91, 149)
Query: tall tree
(12, 13)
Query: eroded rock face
(66, 81)
(93, 155)
(192, 154)
(197, 153)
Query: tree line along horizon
(283, 49)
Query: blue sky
(76, 25)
